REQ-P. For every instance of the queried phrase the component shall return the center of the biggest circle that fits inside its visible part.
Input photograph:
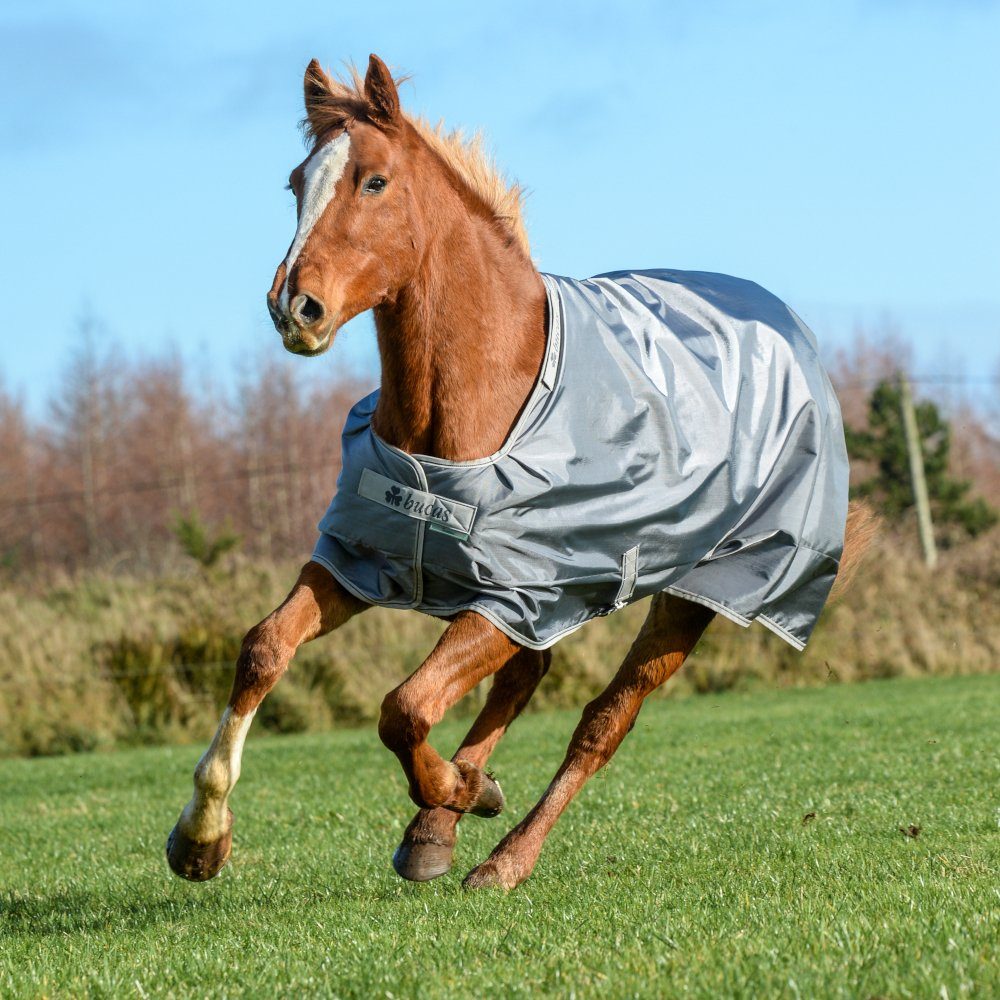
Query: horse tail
(862, 526)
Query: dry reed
(98, 660)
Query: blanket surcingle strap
(682, 436)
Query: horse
(415, 224)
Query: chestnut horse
(399, 218)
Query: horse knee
(262, 660)
(402, 723)
(606, 721)
(592, 729)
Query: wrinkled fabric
(683, 436)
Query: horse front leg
(469, 650)
(429, 841)
(200, 844)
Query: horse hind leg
(428, 843)
(200, 843)
(670, 632)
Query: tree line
(133, 459)
(136, 461)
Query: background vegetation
(105, 659)
(146, 523)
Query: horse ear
(380, 93)
(318, 91)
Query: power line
(923, 380)
(120, 489)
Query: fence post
(917, 476)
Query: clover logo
(394, 496)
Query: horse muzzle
(306, 328)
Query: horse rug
(682, 436)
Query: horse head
(357, 239)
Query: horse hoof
(195, 861)
(422, 862)
(490, 801)
(486, 876)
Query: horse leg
(200, 843)
(671, 630)
(428, 842)
(469, 650)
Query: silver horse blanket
(682, 436)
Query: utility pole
(917, 476)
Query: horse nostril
(307, 310)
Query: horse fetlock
(511, 862)
(206, 816)
(495, 874)
(475, 792)
(214, 778)
(433, 826)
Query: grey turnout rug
(683, 436)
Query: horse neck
(461, 345)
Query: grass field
(688, 867)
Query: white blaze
(319, 184)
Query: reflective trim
(630, 573)
(550, 365)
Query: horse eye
(375, 185)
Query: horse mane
(341, 100)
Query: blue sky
(844, 155)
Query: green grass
(685, 868)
